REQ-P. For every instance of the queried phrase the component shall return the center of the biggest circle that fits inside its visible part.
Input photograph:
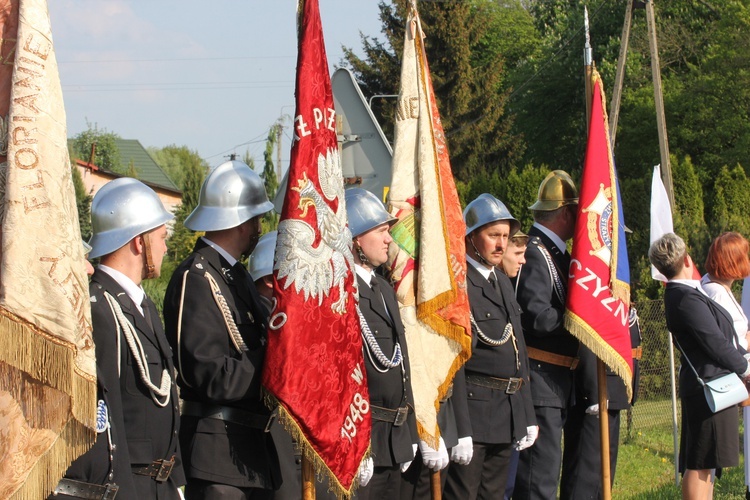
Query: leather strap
(228, 414)
(552, 358)
(637, 352)
(158, 469)
(509, 385)
(88, 491)
(396, 417)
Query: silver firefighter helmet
(121, 210)
(485, 209)
(261, 260)
(231, 194)
(365, 211)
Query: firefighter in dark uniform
(260, 267)
(497, 374)
(138, 416)
(216, 326)
(541, 287)
(394, 426)
(582, 465)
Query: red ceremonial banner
(598, 302)
(314, 367)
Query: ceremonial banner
(427, 257)
(661, 215)
(597, 308)
(47, 365)
(314, 366)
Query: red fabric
(594, 315)
(314, 365)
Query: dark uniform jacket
(391, 445)
(705, 334)
(542, 321)
(496, 417)
(99, 465)
(151, 430)
(213, 375)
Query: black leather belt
(228, 414)
(509, 385)
(397, 417)
(158, 469)
(78, 489)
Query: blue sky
(211, 75)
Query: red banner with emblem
(598, 282)
(314, 367)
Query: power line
(109, 61)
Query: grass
(645, 465)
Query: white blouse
(719, 294)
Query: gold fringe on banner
(583, 332)
(47, 409)
(322, 472)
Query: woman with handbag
(728, 260)
(704, 333)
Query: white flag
(661, 215)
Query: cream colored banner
(47, 365)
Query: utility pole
(279, 128)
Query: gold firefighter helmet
(555, 191)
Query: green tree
(83, 204)
(467, 81)
(271, 219)
(176, 161)
(730, 202)
(102, 143)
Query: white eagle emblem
(316, 270)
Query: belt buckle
(165, 468)
(401, 415)
(514, 384)
(271, 418)
(111, 492)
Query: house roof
(149, 172)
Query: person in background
(497, 373)
(541, 289)
(726, 262)
(705, 335)
(513, 259)
(394, 438)
(216, 324)
(260, 267)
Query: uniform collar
(231, 260)
(133, 291)
(551, 235)
(482, 269)
(367, 276)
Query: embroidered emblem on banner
(599, 224)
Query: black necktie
(378, 303)
(493, 281)
(147, 311)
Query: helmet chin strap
(148, 259)
(481, 259)
(362, 257)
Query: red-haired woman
(728, 260)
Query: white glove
(593, 410)
(463, 451)
(366, 469)
(405, 466)
(435, 460)
(532, 432)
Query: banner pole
(308, 479)
(601, 373)
(435, 489)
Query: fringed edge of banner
(321, 469)
(50, 361)
(427, 314)
(583, 332)
(30, 350)
(621, 291)
(46, 473)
